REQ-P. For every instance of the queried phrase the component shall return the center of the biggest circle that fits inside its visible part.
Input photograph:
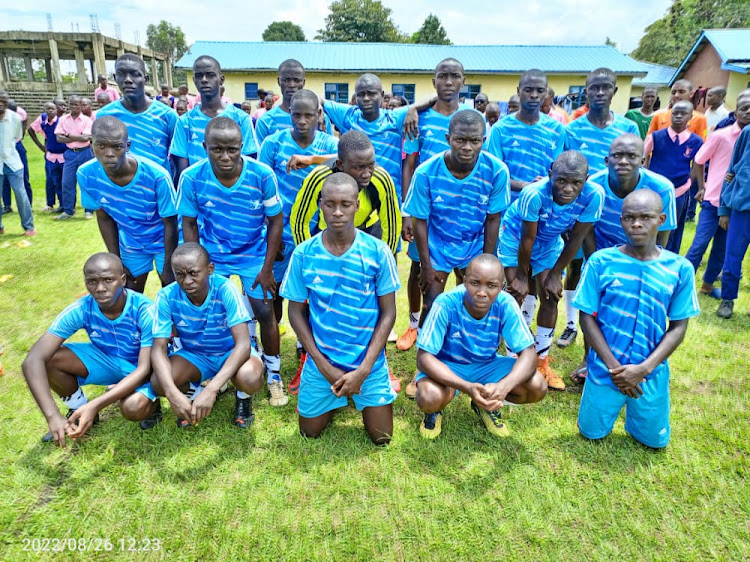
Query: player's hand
(553, 287)
(518, 289)
(57, 426)
(494, 393)
(298, 161)
(411, 124)
(728, 177)
(85, 416)
(699, 195)
(202, 406)
(267, 282)
(349, 384)
(428, 277)
(330, 372)
(627, 379)
(181, 406)
(724, 222)
(407, 231)
(322, 122)
(476, 391)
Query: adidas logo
(209, 204)
(584, 145)
(182, 323)
(255, 205)
(456, 335)
(381, 400)
(94, 334)
(516, 143)
(428, 133)
(553, 145)
(150, 215)
(103, 200)
(157, 141)
(617, 283)
(439, 199)
(317, 279)
(367, 286)
(483, 199)
(194, 137)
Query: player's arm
(109, 231)
(522, 370)
(35, 138)
(389, 214)
(34, 369)
(519, 287)
(428, 275)
(163, 370)
(553, 282)
(407, 171)
(273, 244)
(698, 173)
(190, 229)
(299, 319)
(411, 123)
(170, 243)
(300, 161)
(491, 232)
(589, 244)
(595, 338)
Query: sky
(529, 22)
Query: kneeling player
(635, 302)
(211, 322)
(350, 280)
(457, 349)
(118, 323)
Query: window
(337, 92)
(470, 91)
(404, 90)
(251, 90)
(578, 96)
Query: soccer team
(298, 214)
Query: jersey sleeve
(249, 144)
(68, 322)
(146, 325)
(187, 204)
(170, 118)
(494, 145)
(306, 204)
(387, 280)
(529, 204)
(417, 202)
(669, 208)
(236, 311)
(271, 199)
(586, 297)
(338, 113)
(593, 210)
(329, 125)
(500, 193)
(179, 146)
(432, 335)
(515, 332)
(88, 197)
(389, 214)
(162, 322)
(268, 152)
(293, 286)
(261, 129)
(684, 303)
(399, 116)
(166, 197)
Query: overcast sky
(525, 22)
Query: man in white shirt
(11, 129)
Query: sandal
(579, 375)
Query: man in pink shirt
(182, 91)
(74, 130)
(53, 151)
(548, 108)
(104, 87)
(717, 151)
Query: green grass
(218, 493)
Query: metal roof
(732, 46)
(658, 75)
(400, 57)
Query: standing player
(135, 204)
(457, 350)
(225, 202)
(349, 280)
(150, 125)
(209, 316)
(643, 115)
(635, 302)
(531, 240)
(118, 324)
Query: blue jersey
(433, 128)
(594, 142)
(633, 301)
(456, 210)
(450, 333)
(386, 134)
(122, 337)
(537, 205)
(527, 150)
(231, 220)
(608, 230)
(342, 292)
(277, 120)
(204, 329)
(150, 132)
(191, 132)
(276, 151)
(138, 207)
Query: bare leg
(378, 422)
(136, 407)
(313, 427)
(269, 327)
(249, 377)
(62, 371)
(433, 397)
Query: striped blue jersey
(386, 134)
(456, 210)
(634, 301)
(608, 230)
(150, 132)
(276, 120)
(527, 150)
(594, 142)
(204, 329)
(450, 333)
(137, 208)
(191, 132)
(122, 337)
(276, 151)
(231, 220)
(342, 292)
(537, 205)
(433, 128)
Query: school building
(659, 77)
(720, 57)
(406, 69)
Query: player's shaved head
(104, 260)
(192, 251)
(532, 74)
(571, 161)
(74, 98)
(291, 64)
(207, 59)
(628, 140)
(351, 142)
(719, 91)
(303, 95)
(221, 124)
(110, 126)
(644, 199)
(449, 61)
(488, 261)
(684, 82)
(339, 180)
(467, 118)
(683, 105)
(132, 58)
(369, 79)
(603, 71)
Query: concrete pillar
(48, 68)
(56, 74)
(168, 72)
(120, 50)
(4, 75)
(81, 67)
(154, 73)
(100, 59)
(29, 69)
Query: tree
(359, 21)
(610, 42)
(669, 39)
(432, 32)
(283, 31)
(169, 39)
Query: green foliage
(669, 39)
(432, 32)
(169, 39)
(610, 42)
(357, 21)
(283, 31)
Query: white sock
(543, 340)
(75, 400)
(571, 313)
(299, 345)
(414, 319)
(242, 395)
(273, 366)
(194, 390)
(527, 309)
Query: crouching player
(350, 280)
(118, 323)
(211, 322)
(635, 302)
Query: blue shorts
(542, 256)
(247, 277)
(207, 364)
(316, 397)
(105, 370)
(486, 372)
(411, 251)
(646, 418)
(280, 267)
(142, 262)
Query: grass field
(216, 492)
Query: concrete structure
(407, 69)
(90, 51)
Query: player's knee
(135, 407)
(156, 385)
(537, 387)
(264, 313)
(378, 437)
(249, 377)
(429, 398)
(310, 432)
